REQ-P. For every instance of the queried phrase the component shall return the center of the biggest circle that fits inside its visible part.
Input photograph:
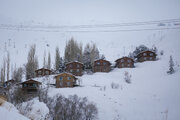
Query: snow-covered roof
(30, 80)
(103, 60)
(145, 52)
(43, 68)
(123, 58)
(74, 62)
(66, 73)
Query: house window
(150, 58)
(25, 85)
(78, 66)
(69, 78)
(144, 54)
(151, 54)
(39, 72)
(77, 70)
(47, 72)
(145, 58)
(105, 63)
(98, 63)
(122, 60)
(61, 78)
(129, 61)
(34, 85)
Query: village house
(101, 66)
(65, 80)
(30, 86)
(146, 56)
(75, 68)
(9, 83)
(124, 62)
(42, 72)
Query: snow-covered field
(152, 95)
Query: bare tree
(32, 62)
(2, 75)
(8, 65)
(73, 51)
(17, 74)
(90, 53)
(3, 71)
(57, 59)
(127, 77)
(49, 61)
(71, 108)
(44, 60)
(94, 53)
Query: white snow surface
(152, 95)
(9, 112)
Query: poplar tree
(32, 62)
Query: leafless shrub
(114, 85)
(127, 77)
(71, 108)
(16, 95)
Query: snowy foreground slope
(152, 95)
(9, 112)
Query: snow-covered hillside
(9, 112)
(152, 95)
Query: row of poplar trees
(73, 52)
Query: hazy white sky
(75, 12)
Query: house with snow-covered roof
(75, 68)
(65, 80)
(42, 72)
(101, 65)
(124, 62)
(30, 86)
(146, 56)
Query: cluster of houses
(73, 69)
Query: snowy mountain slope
(9, 112)
(112, 45)
(151, 94)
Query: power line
(92, 26)
(85, 31)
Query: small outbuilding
(75, 68)
(42, 72)
(146, 56)
(30, 86)
(101, 65)
(124, 62)
(65, 80)
(9, 83)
